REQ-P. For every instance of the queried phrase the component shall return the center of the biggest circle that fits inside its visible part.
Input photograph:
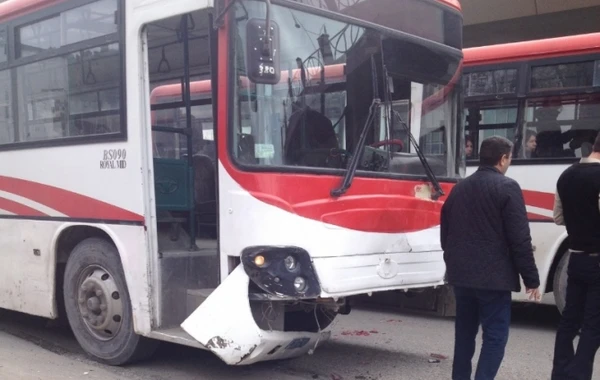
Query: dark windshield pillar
(363, 78)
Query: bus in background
(545, 96)
(222, 174)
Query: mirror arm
(267, 45)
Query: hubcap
(100, 303)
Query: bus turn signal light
(259, 261)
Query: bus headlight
(286, 271)
(290, 263)
(299, 284)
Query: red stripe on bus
(15, 8)
(18, 208)
(72, 204)
(533, 217)
(539, 199)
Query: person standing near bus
(486, 242)
(577, 206)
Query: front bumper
(224, 324)
(359, 274)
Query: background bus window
(565, 126)
(484, 120)
(561, 76)
(174, 145)
(397, 130)
(491, 82)
(3, 47)
(166, 67)
(7, 129)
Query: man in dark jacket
(486, 242)
(577, 206)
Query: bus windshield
(331, 72)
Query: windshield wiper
(438, 191)
(351, 172)
(347, 182)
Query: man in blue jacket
(487, 245)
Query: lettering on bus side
(114, 159)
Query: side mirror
(262, 55)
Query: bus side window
(563, 126)
(497, 118)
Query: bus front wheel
(98, 306)
(560, 282)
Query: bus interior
(549, 108)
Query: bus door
(184, 163)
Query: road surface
(366, 345)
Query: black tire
(559, 285)
(89, 259)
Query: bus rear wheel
(98, 306)
(559, 285)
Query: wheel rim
(100, 304)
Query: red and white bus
(175, 170)
(545, 96)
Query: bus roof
(452, 3)
(15, 8)
(547, 48)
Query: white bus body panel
(29, 286)
(347, 262)
(546, 236)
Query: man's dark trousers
(582, 311)
(491, 309)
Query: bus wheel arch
(557, 277)
(93, 288)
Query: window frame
(524, 94)
(13, 63)
(557, 61)
(4, 29)
(338, 17)
(519, 88)
(447, 11)
(181, 104)
(502, 101)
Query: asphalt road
(366, 345)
